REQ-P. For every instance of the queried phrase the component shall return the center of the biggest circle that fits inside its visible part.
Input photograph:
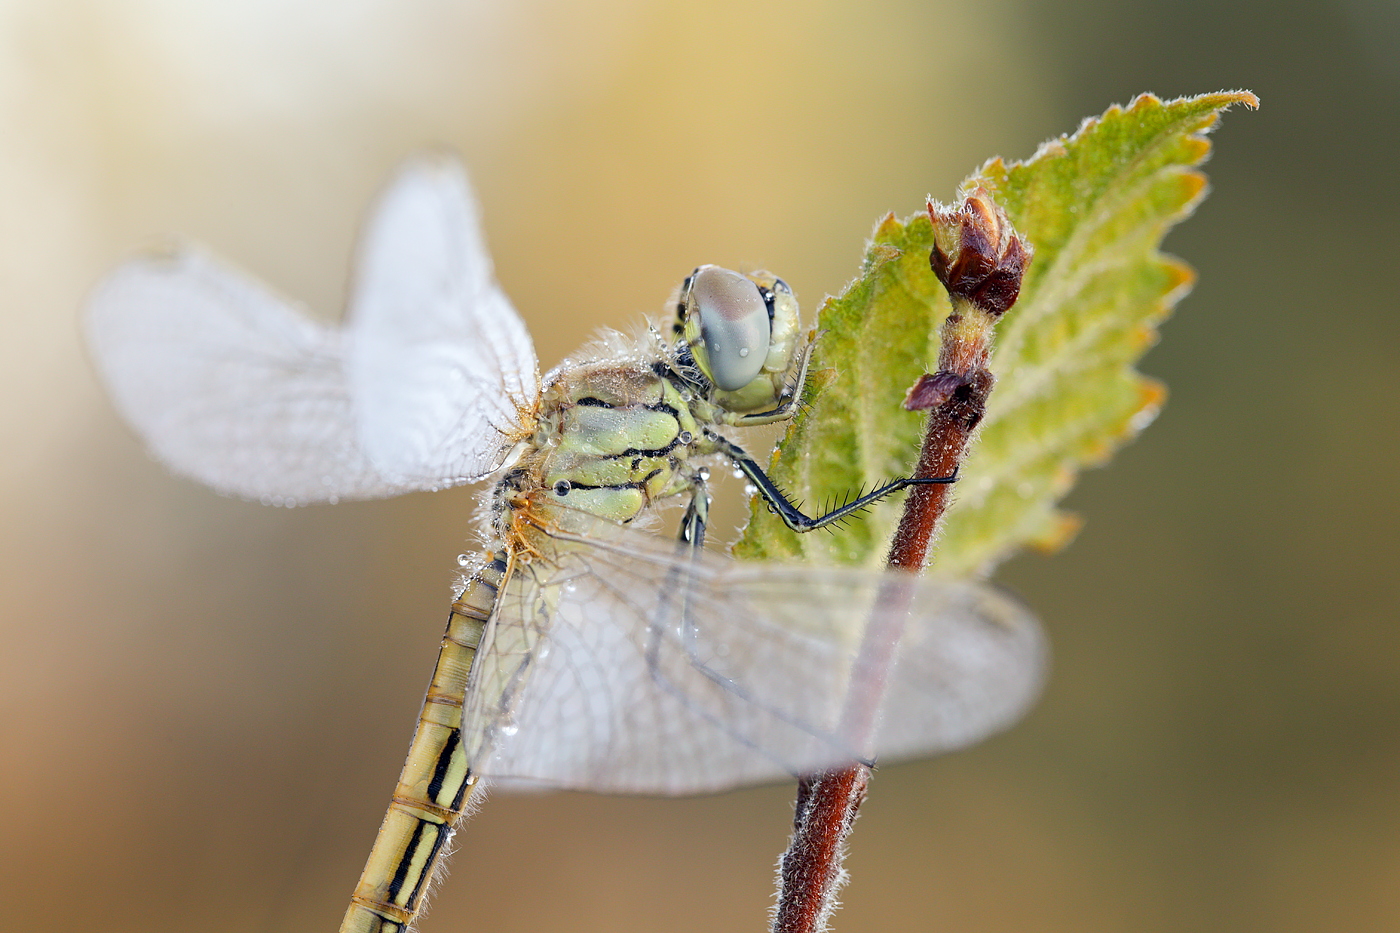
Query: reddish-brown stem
(950, 427)
(983, 275)
(811, 870)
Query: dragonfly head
(742, 332)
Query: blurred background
(204, 703)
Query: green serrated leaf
(1095, 206)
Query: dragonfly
(584, 649)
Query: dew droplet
(464, 560)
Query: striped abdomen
(435, 782)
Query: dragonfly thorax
(611, 438)
(614, 435)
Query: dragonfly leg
(791, 515)
(697, 514)
(673, 627)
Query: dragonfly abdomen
(436, 779)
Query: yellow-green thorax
(610, 439)
(615, 434)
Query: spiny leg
(791, 515)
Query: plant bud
(977, 254)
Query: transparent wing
(230, 384)
(440, 364)
(623, 666)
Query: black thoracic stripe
(444, 765)
(590, 401)
(640, 452)
(616, 487)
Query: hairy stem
(981, 267)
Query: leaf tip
(888, 227)
(1196, 148)
(1180, 278)
(1239, 96)
(1152, 395)
(1142, 337)
(992, 174)
(1144, 101)
(1059, 529)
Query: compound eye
(733, 326)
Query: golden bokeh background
(204, 703)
